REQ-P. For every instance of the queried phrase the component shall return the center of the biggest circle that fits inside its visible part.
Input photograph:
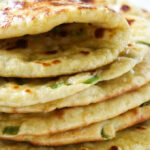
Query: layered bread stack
(74, 71)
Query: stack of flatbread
(74, 72)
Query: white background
(142, 3)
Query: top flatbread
(21, 17)
(40, 93)
(81, 37)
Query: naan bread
(76, 29)
(97, 132)
(135, 138)
(132, 80)
(129, 139)
(26, 92)
(132, 55)
(72, 118)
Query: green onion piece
(104, 135)
(145, 104)
(11, 130)
(145, 43)
(59, 85)
(56, 85)
(92, 80)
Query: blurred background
(142, 3)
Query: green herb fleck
(104, 135)
(145, 43)
(59, 85)
(56, 85)
(145, 104)
(92, 80)
(11, 130)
